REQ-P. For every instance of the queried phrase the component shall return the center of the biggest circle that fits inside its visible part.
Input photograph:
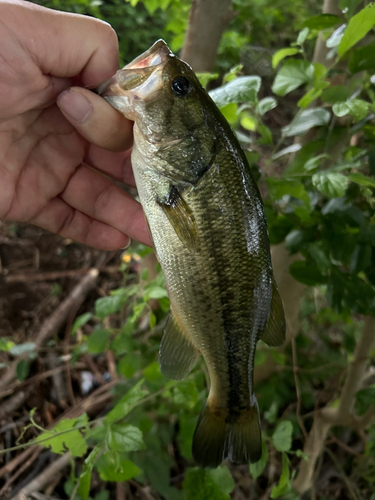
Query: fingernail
(74, 105)
(128, 245)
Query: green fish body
(209, 230)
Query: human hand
(51, 154)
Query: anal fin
(274, 334)
(177, 355)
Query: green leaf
(97, 341)
(152, 321)
(248, 122)
(6, 345)
(358, 27)
(85, 476)
(314, 163)
(282, 437)
(306, 120)
(79, 322)
(242, 89)
(292, 75)
(321, 22)
(302, 35)
(230, 113)
(307, 273)
(129, 364)
(126, 403)
(361, 179)
(184, 395)
(294, 240)
(22, 370)
(293, 148)
(322, 261)
(110, 305)
(114, 466)
(336, 37)
(199, 484)
(25, 348)
(312, 94)
(206, 78)
(330, 184)
(320, 72)
(125, 437)
(362, 59)
(266, 135)
(281, 186)
(152, 373)
(223, 478)
(266, 105)
(335, 94)
(284, 482)
(59, 440)
(155, 292)
(257, 468)
(356, 107)
(281, 54)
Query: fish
(207, 223)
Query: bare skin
(55, 139)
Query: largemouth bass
(209, 230)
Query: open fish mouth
(138, 79)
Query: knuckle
(103, 200)
(65, 225)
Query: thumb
(95, 119)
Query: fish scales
(209, 230)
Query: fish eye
(180, 85)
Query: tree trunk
(208, 20)
(321, 50)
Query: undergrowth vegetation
(316, 172)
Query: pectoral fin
(177, 355)
(182, 219)
(274, 334)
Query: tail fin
(216, 438)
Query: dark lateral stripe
(236, 396)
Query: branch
(45, 477)
(325, 418)
(54, 322)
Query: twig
(37, 378)
(14, 402)
(23, 467)
(343, 445)
(298, 389)
(17, 460)
(57, 380)
(54, 275)
(95, 370)
(54, 322)
(44, 477)
(343, 475)
(326, 417)
(120, 492)
(39, 496)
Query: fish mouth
(138, 79)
